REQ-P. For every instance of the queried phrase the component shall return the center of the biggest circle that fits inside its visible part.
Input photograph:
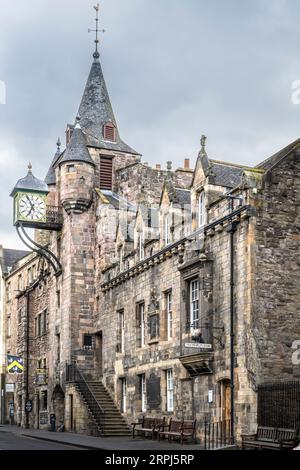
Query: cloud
(174, 70)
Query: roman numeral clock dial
(32, 207)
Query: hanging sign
(15, 365)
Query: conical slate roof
(50, 177)
(30, 183)
(96, 110)
(76, 150)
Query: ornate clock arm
(41, 250)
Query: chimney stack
(169, 166)
(187, 163)
(158, 166)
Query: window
(109, 132)
(105, 172)
(167, 232)
(169, 315)
(141, 246)
(170, 390)
(20, 316)
(44, 322)
(58, 298)
(121, 331)
(20, 284)
(194, 304)
(70, 168)
(153, 327)
(58, 348)
(143, 393)
(123, 395)
(87, 341)
(141, 324)
(201, 210)
(44, 363)
(8, 292)
(44, 400)
(33, 271)
(8, 327)
(39, 327)
(29, 275)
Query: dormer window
(109, 132)
(201, 209)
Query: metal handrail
(82, 379)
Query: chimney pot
(186, 163)
(169, 166)
(158, 166)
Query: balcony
(197, 349)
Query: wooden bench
(182, 430)
(270, 438)
(148, 426)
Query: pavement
(81, 441)
(10, 440)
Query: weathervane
(96, 54)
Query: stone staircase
(106, 416)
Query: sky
(175, 69)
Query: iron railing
(74, 375)
(216, 435)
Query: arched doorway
(58, 399)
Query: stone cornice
(169, 251)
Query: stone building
(175, 284)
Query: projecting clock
(30, 201)
(32, 207)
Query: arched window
(109, 132)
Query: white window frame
(170, 390)
(169, 301)
(142, 323)
(124, 394)
(194, 305)
(201, 209)
(143, 393)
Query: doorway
(224, 393)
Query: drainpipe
(231, 230)
(27, 360)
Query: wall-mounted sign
(28, 406)
(41, 376)
(43, 417)
(15, 365)
(9, 388)
(198, 345)
(210, 396)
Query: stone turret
(76, 174)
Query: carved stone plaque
(153, 392)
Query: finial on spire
(77, 125)
(29, 167)
(58, 143)
(203, 142)
(96, 54)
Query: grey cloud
(174, 70)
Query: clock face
(32, 207)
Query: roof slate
(224, 174)
(76, 150)
(11, 257)
(95, 110)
